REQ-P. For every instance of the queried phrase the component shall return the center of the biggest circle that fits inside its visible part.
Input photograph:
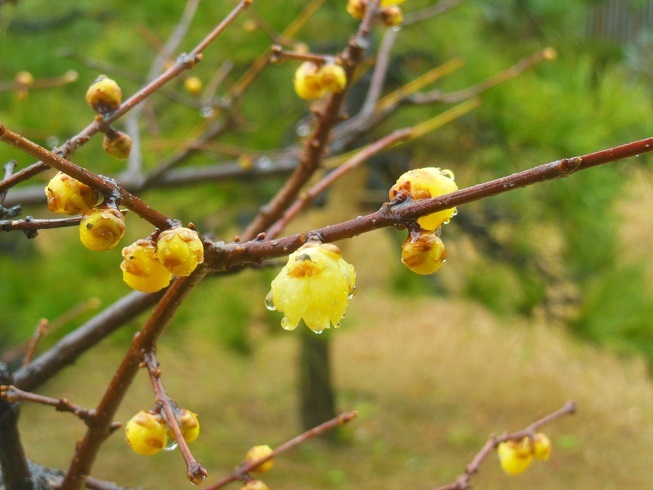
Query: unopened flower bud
(189, 425)
(307, 81)
(193, 86)
(24, 79)
(180, 250)
(101, 228)
(423, 254)
(515, 456)
(117, 144)
(254, 485)
(541, 447)
(357, 8)
(104, 95)
(146, 433)
(332, 77)
(392, 16)
(141, 270)
(69, 196)
(258, 452)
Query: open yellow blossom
(316, 285)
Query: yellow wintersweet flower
(316, 285)
(425, 183)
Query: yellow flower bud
(180, 250)
(193, 86)
(117, 144)
(332, 77)
(24, 79)
(391, 16)
(541, 447)
(69, 196)
(104, 95)
(357, 8)
(307, 81)
(424, 183)
(316, 285)
(101, 228)
(141, 270)
(423, 254)
(146, 433)
(189, 425)
(254, 485)
(515, 457)
(258, 452)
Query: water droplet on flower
(396, 28)
(286, 325)
(318, 331)
(269, 303)
(337, 325)
(455, 212)
(171, 446)
(353, 292)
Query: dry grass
(430, 378)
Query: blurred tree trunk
(317, 398)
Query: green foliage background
(588, 99)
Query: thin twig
(307, 197)
(547, 54)
(13, 394)
(52, 326)
(248, 466)
(39, 332)
(438, 9)
(195, 471)
(462, 482)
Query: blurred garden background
(546, 295)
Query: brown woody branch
(307, 197)
(221, 256)
(110, 188)
(16, 473)
(241, 471)
(463, 481)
